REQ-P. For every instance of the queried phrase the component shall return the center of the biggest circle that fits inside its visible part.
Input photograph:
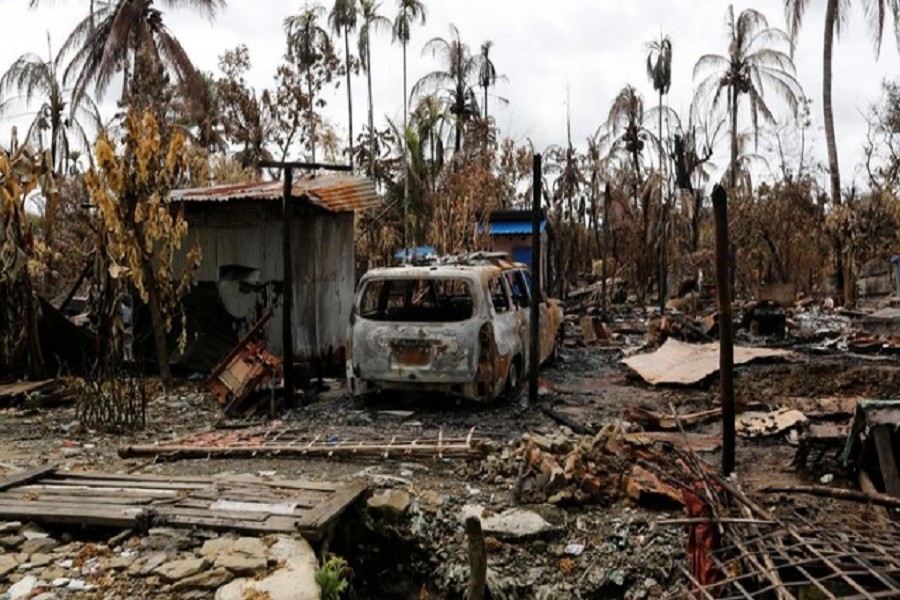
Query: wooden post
(287, 332)
(477, 559)
(604, 273)
(726, 333)
(537, 289)
(287, 335)
(663, 255)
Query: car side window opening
(521, 295)
(408, 300)
(533, 293)
(499, 297)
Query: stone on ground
(294, 580)
(181, 569)
(206, 580)
(391, 504)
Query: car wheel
(513, 381)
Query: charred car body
(458, 327)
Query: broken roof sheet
(334, 193)
(679, 363)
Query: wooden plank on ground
(138, 477)
(247, 505)
(23, 477)
(328, 510)
(84, 500)
(121, 484)
(86, 490)
(71, 513)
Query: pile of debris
(570, 470)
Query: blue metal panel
(510, 227)
(522, 254)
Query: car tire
(513, 381)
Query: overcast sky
(591, 47)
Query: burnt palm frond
(408, 12)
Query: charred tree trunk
(158, 323)
(349, 94)
(371, 113)
(844, 287)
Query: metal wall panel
(322, 248)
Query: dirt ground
(423, 556)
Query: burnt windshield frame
(417, 299)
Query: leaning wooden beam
(839, 493)
(24, 477)
(441, 449)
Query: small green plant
(332, 577)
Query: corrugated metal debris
(334, 193)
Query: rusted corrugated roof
(335, 193)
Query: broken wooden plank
(24, 477)
(331, 508)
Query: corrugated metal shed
(334, 193)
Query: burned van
(459, 330)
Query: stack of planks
(239, 503)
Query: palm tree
(427, 121)
(35, 79)
(659, 70)
(627, 135)
(626, 131)
(342, 20)
(487, 73)
(754, 63)
(408, 12)
(203, 117)
(371, 21)
(836, 14)
(129, 34)
(307, 43)
(459, 68)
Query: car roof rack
(469, 259)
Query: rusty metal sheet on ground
(679, 363)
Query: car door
(509, 327)
(546, 328)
